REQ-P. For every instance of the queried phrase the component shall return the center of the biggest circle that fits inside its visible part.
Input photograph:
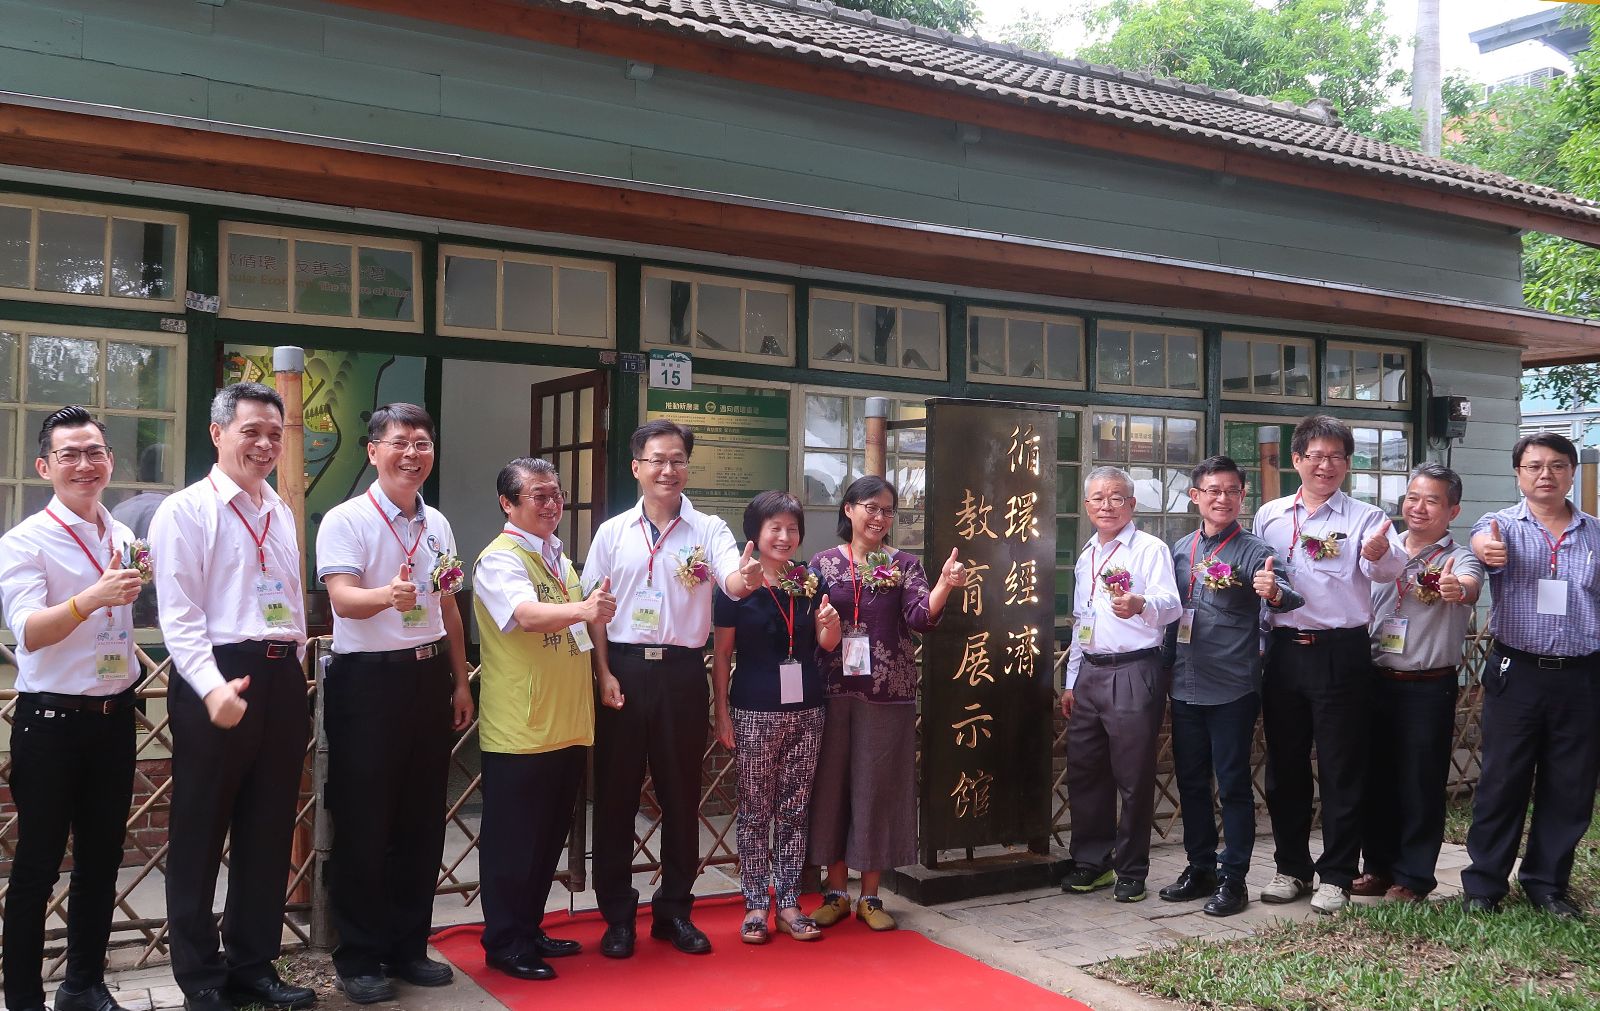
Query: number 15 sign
(671, 370)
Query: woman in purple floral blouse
(863, 806)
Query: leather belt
(1312, 636)
(1545, 662)
(272, 649)
(102, 705)
(1431, 674)
(1107, 659)
(416, 653)
(654, 652)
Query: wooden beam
(561, 26)
(72, 142)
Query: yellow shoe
(871, 912)
(835, 908)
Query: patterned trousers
(777, 756)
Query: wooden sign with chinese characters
(986, 696)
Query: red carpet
(850, 967)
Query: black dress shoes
(421, 972)
(94, 997)
(618, 941)
(1555, 905)
(207, 1000)
(1479, 905)
(685, 936)
(1193, 883)
(1231, 897)
(521, 966)
(555, 947)
(271, 991)
(366, 989)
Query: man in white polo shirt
(67, 596)
(661, 557)
(396, 689)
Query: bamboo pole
(1267, 439)
(877, 436)
(288, 367)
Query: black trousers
(389, 739)
(1320, 695)
(70, 772)
(1413, 730)
(527, 812)
(663, 722)
(1541, 738)
(1216, 739)
(241, 784)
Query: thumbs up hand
(600, 606)
(1375, 547)
(750, 566)
(1492, 552)
(1127, 605)
(1266, 583)
(953, 572)
(402, 591)
(1450, 584)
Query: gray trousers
(1111, 755)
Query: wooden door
(571, 417)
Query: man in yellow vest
(536, 711)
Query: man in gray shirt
(1419, 628)
(1224, 572)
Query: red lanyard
(101, 569)
(650, 572)
(1555, 545)
(1100, 568)
(1195, 545)
(261, 550)
(539, 557)
(788, 619)
(1400, 584)
(411, 552)
(855, 585)
(1294, 535)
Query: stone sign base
(995, 873)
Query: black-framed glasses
(72, 457)
(664, 462)
(1559, 468)
(877, 512)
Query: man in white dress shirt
(233, 616)
(396, 688)
(67, 597)
(1317, 687)
(1123, 598)
(660, 556)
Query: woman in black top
(770, 710)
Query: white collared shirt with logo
(1149, 565)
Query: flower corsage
(798, 582)
(692, 568)
(1426, 586)
(139, 557)
(879, 572)
(1117, 581)
(447, 574)
(1326, 546)
(1219, 576)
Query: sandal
(801, 928)
(754, 930)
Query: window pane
(986, 354)
(142, 447)
(1149, 360)
(716, 318)
(1183, 361)
(858, 421)
(912, 440)
(1067, 442)
(1264, 368)
(825, 421)
(1027, 349)
(1393, 489)
(1235, 366)
(1112, 350)
(1183, 441)
(1297, 371)
(386, 285)
(1338, 379)
(62, 370)
(528, 297)
(767, 316)
(15, 223)
(826, 476)
(584, 303)
(832, 330)
(875, 335)
(1175, 485)
(142, 257)
(8, 452)
(1368, 380)
(919, 340)
(1366, 456)
(72, 253)
(1110, 438)
(1144, 439)
(139, 376)
(1364, 488)
(1396, 450)
(1394, 377)
(322, 278)
(1239, 442)
(258, 273)
(1146, 489)
(10, 347)
(469, 292)
(35, 496)
(1063, 351)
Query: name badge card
(417, 617)
(857, 655)
(580, 636)
(1085, 631)
(273, 600)
(1552, 598)
(111, 654)
(1392, 634)
(1186, 625)
(790, 689)
(646, 615)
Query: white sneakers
(1330, 899)
(1283, 888)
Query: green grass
(1394, 956)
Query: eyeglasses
(1332, 459)
(877, 512)
(1114, 501)
(543, 501)
(662, 463)
(1221, 492)
(422, 446)
(1557, 469)
(71, 457)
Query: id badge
(580, 636)
(274, 603)
(111, 654)
(1186, 625)
(1085, 631)
(1552, 597)
(857, 655)
(417, 617)
(646, 615)
(1392, 634)
(790, 690)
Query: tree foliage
(1032, 29)
(952, 15)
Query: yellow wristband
(72, 605)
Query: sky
(1458, 18)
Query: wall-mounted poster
(741, 445)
